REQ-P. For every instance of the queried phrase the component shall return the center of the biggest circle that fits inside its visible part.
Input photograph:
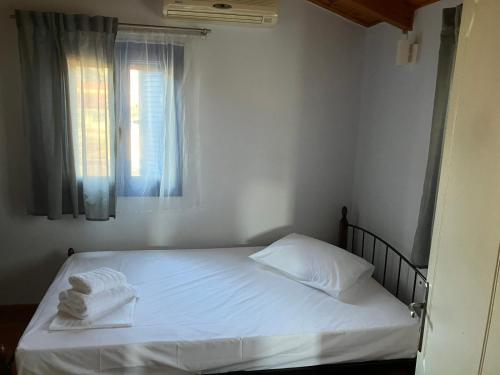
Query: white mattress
(211, 311)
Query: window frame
(133, 186)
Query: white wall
(278, 113)
(394, 128)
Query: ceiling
(398, 13)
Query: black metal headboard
(355, 239)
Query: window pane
(149, 162)
(153, 123)
(147, 123)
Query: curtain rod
(189, 30)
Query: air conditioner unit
(257, 12)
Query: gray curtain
(449, 40)
(68, 113)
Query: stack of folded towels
(96, 294)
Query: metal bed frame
(417, 306)
(348, 236)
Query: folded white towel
(92, 307)
(121, 317)
(97, 280)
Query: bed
(218, 311)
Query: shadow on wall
(155, 7)
(22, 283)
(330, 84)
(264, 239)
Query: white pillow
(315, 263)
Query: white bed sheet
(211, 311)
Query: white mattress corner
(216, 311)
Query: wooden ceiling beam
(395, 12)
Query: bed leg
(343, 229)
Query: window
(149, 119)
(149, 114)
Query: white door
(463, 328)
